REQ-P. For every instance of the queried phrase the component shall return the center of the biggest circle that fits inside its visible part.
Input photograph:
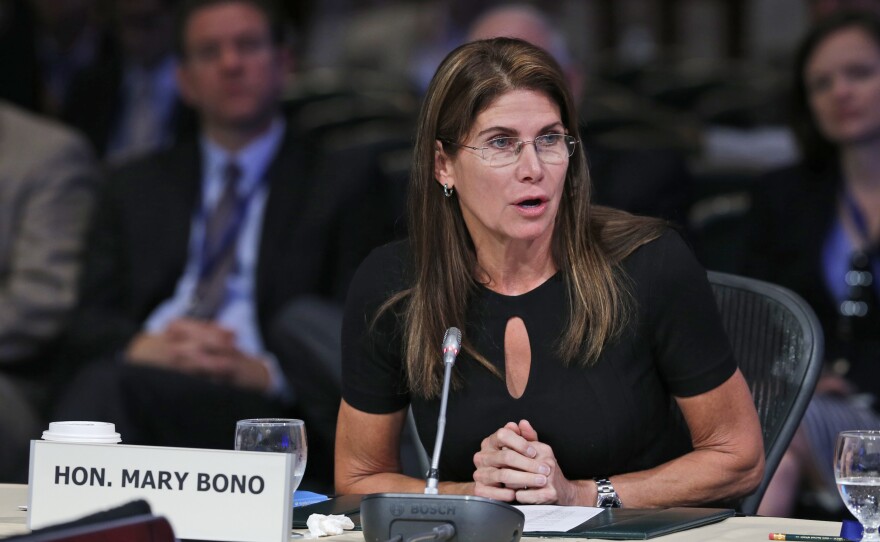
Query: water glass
(857, 473)
(275, 435)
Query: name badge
(204, 494)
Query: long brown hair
(588, 242)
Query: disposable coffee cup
(82, 433)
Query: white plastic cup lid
(82, 432)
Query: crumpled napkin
(321, 525)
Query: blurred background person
(529, 23)
(816, 230)
(130, 105)
(196, 251)
(47, 182)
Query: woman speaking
(587, 332)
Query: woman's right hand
(507, 462)
(368, 455)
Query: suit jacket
(793, 210)
(47, 183)
(140, 238)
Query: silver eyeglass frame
(570, 141)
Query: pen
(807, 537)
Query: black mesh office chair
(778, 345)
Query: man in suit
(196, 250)
(47, 184)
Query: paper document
(548, 517)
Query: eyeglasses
(503, 151)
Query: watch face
(607, 501)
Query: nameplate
(204, 494)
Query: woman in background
(585, 328)
(816, 230)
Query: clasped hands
(513, 465)
(200, 348)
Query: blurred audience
(526, 22)
(130, 106)
(646, 181)
(402, 39)
(47, 184)
(764, 142)
(816, 230)
(177, 317)
(197, 250)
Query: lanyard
(860, 223)
(212, 255)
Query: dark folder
(145, 528)
(641, 524)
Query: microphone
(458, 518)
(451, 346)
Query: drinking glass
(275, 435)
(857, 473)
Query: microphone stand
(430, 516)
(434, 473)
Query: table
(12, 520)
(750, 529)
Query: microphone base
(476, 519)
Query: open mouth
(530, 203)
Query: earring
(448, 191)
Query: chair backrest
(778, 344)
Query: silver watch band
(606, 496)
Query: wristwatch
(606, 497)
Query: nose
(840, 87)
(230, 57)
(529, 166)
